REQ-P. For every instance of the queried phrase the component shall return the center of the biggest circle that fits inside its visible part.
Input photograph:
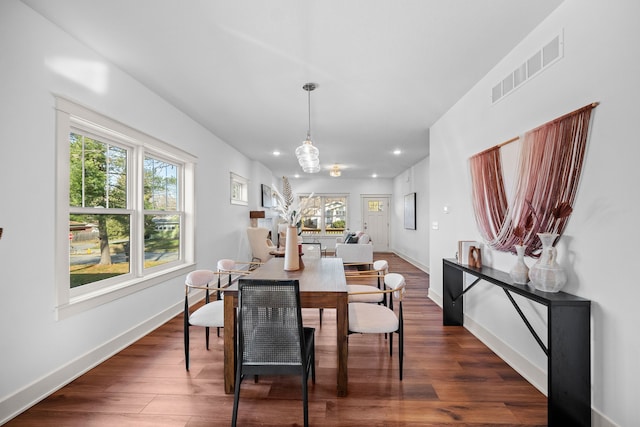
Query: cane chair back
(271, 337)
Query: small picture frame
(463, 250)
(267, 197)
(410, 211)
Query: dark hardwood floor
(450, 378)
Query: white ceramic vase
(291, 255)
(546, 274)
(520, 272)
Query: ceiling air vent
(549, 54)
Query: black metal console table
(568, 336)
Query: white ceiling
(386, 69)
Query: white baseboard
(28, 396)
(435, 297)
(40, 389)
(413, 262)
(599, 420)
(534, 375)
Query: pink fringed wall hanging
(547, 180)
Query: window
(239, 190)
(124, 201)
(375, 206)
(325, 215)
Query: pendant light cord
(309, 104)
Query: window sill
(89, 301)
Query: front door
(375, 221)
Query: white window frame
(242, 197)
(70, 115)
(323, 219)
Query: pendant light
(308, 155)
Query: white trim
(235, 179)
(433, 296)
(533, 374)
(323, 218)
(413, 262)
(72, 301)
(105, 295)
(31, 394)
(119, 130)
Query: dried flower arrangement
(290, 207)
(521, 231)
(534, 221)
(563, 210)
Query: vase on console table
(520, 272)
(291, 252)
(546, 274)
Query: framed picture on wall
(267, 197)
(410, 211)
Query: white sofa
(355, 253)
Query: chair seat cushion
(211, 314)
(369, 298)
(371, 318)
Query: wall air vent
(540, 60)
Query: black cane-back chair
(271, 338)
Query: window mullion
(92, 211)
(136, 202)
(323, 219)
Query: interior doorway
(375, 220)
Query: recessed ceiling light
(397, 151)
(276, 153)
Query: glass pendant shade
(307, 152)
(311, 169)
(308, 155)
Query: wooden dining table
(322, 285)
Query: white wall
(601, 63)
(39, 353)
(413, 245)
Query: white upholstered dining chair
(366, 318)
(211, 314)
